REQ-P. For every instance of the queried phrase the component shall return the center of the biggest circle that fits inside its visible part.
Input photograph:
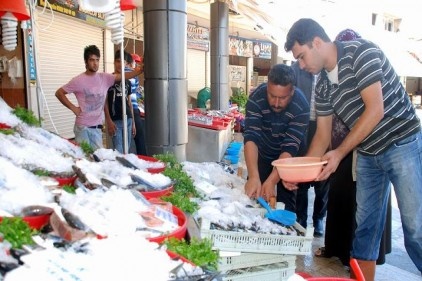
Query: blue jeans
(118, 136)
(94, 137)
(401, 166)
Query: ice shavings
(20, 188)
(34, 156)
(115, 258)
(157, 181)
(115, 211)
(121, 176)
(141, 163)
(228, 207)
(107, 154)
(6, 115)
(110, 154)
(49, 139)
(109, 170)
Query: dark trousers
(140, 133)
(283, 195)
(320, 202)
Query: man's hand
(268, 190)
(290, 185)
(111, 128)
(76, 110)
(333, 157)
(253, 188)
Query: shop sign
(198, 37)
(240, 47)
(249, 48)
(30, 54)
(262, 49)
(73, 9)
(237, 73)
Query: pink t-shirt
(91, 92)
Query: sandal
(320, 253)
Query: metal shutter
(197, 71)
(60, 46)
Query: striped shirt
(360, 64)
(272, 132)
(134, 89)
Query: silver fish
(126, 162)
(73, 220)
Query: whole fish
(149, 186)
(73, 220)
(126, 162)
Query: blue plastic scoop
(279, 216)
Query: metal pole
(123, 83)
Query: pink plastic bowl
(299, 169)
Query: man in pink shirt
(90, 89)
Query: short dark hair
(126, 56)
(303, 32)
(282, 74)
(91, 50)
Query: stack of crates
(257, 256)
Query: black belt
(96, 127)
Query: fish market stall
(118, 210)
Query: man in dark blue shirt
(277, 116)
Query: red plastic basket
(158, 193)
(173, 255)
(4, 126)
(35, 222)
(66, 181)
(178, 233)
(152, 159)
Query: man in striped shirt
(277, 116)
(358, 83)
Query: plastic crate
(245, 260)
(272, 272)
(258, 242)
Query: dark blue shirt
(276, 132)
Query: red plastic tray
(178, 233)
(152, 159)
(4, 126)
(216, 125)
(66, 181)
(157, 194)
(35, 222)
(173, 255)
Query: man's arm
(111, 127)
(251, 159)
(371, 116)
(253, 184)
(128, 75)
(322, 137)
(61, 96)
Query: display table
(207, 145)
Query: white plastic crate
(272, 272)
(244, 260)
(258, 242)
